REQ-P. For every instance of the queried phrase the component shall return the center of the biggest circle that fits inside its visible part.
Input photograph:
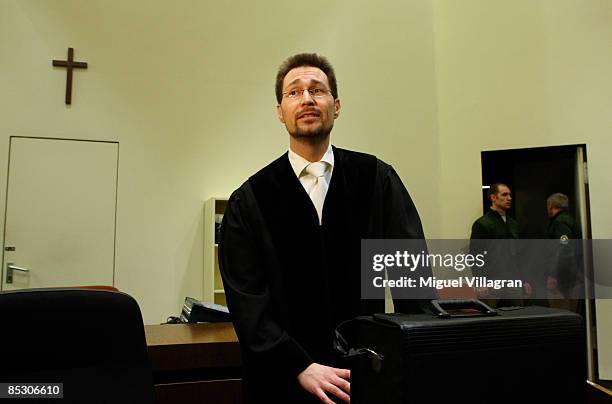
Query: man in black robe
(290, 244)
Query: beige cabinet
(213, 286)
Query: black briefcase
(470, 354)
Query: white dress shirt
(308, 181)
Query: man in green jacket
(565, 274)
(495, 224)
(501, 261)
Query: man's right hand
(321, 380)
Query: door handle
(9, 271)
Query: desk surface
(172, 334)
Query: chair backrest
(93, 341)
(104, 287)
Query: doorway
(535, 173)
(60, 217)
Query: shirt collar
(298, 163)
(502, 215)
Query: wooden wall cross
(69, 65)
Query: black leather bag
(464, 351)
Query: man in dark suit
(290, 244)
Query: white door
(60, 213)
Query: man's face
(502, 200)
(550, 209)
(306, 115)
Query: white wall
(187, 88)
(519, 74)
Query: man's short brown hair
(494, 189)
(305, 59)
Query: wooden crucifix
(69, 65)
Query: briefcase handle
(440, 307)
(347, 353)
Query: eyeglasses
(295, 93)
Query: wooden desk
(195, 363)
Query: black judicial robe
(290, 281)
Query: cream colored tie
(319, 189)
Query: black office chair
(92, 341)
